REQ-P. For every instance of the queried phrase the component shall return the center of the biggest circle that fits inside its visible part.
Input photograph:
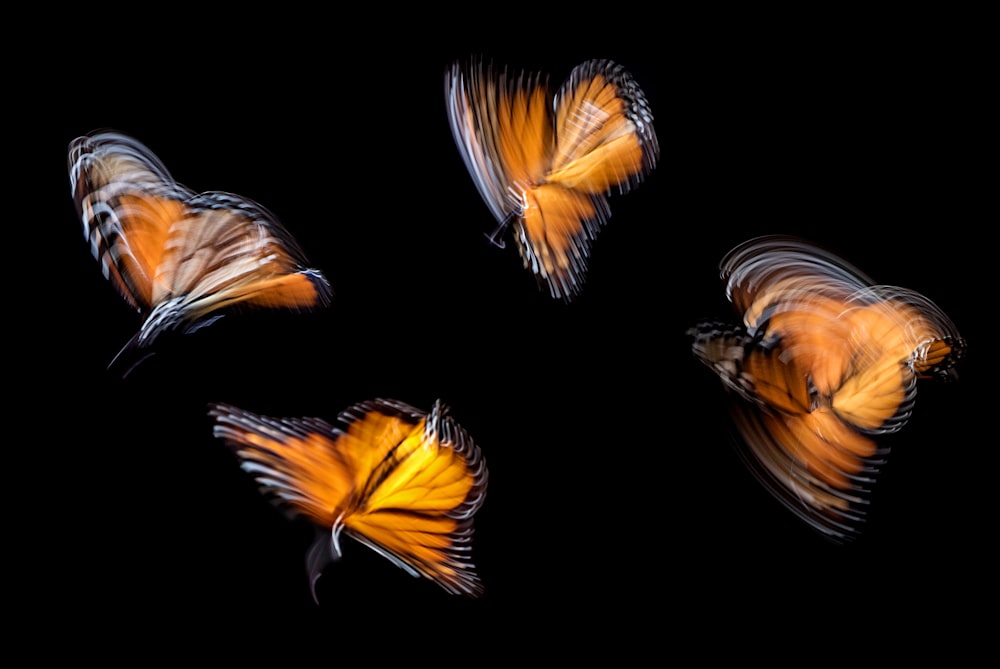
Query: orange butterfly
(180, 258)
(407, 484)
(547, 163)
(823, 362)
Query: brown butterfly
(824, 361)
(403, 482)
(546, 162)
(180, 258)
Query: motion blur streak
(823, 361)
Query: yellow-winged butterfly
(546, 163)
(824, 361)
(181, 258)
(403, 482)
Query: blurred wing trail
(545, 162)
(823, 362)
(405, 483)
(178, 257)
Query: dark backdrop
(617, 515)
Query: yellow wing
(604, 136)
(405, 483)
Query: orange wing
(823, 362)
(405, 483)
(177, 257)
(547, 163)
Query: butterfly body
(823, 362)
(546, 163)
(405, 483)
(179, 258)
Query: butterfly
(546, 162)
(180, 258)
(823, 361)
(403, 482)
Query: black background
(618, 516)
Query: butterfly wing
(823, 363)
(127, 201)
(810, 461)
(772, 270)
(405, 483)
(802, 461)
(503, 131)
(604, 137)
(604, 141)
(919, 331)
(421, 502)
(177, 257)
(230, 251)
(549, 170)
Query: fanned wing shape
(546, 163)
(822, 363)
(403, 482)
(180, 258)
(755, 279)
(809, 471)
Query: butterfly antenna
(324, 550)
(495, 237)
(127, 353)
